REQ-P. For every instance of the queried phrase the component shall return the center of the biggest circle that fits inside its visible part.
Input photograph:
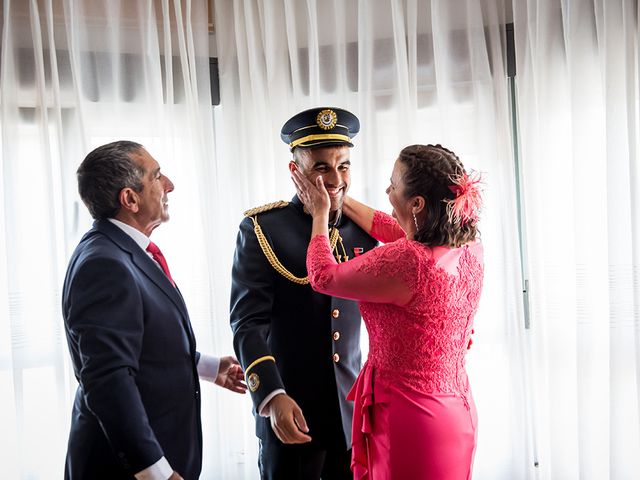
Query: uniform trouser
(302, 462)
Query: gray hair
(104, 173)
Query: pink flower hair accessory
(468, 202)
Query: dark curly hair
(104, 173)
(429, 170)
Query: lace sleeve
(382, 275)
(385, 228)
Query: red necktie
(155, 252)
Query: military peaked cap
(320, 127)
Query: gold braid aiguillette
(345, 257)
(334, 236)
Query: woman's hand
(314, 196)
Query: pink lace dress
(414, 415)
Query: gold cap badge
(326, 119)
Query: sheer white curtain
(77, 74)
(414, 72)
(579, 119)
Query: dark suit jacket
(301, 329)
(134, 356)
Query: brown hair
(429, 172)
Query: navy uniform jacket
(134, 355)
(313, 338)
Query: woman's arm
(360, 213)
(380, 226)
(382, 275)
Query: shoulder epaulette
(265, 208)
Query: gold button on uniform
(335, 313)
(336, 357)
(336, 336)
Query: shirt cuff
(161, 470)
(208, 367)
(266, 400)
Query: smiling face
(333, 164)
(153, 203)
(403, 207)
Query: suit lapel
(147, 266)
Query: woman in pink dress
(414, 414)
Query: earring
(415, 220)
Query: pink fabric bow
(466, 206)
(362, 394)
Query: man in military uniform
(300, 349)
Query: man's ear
(129, 199)
(418, 204)
(293, 166)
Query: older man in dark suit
(137, 407)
